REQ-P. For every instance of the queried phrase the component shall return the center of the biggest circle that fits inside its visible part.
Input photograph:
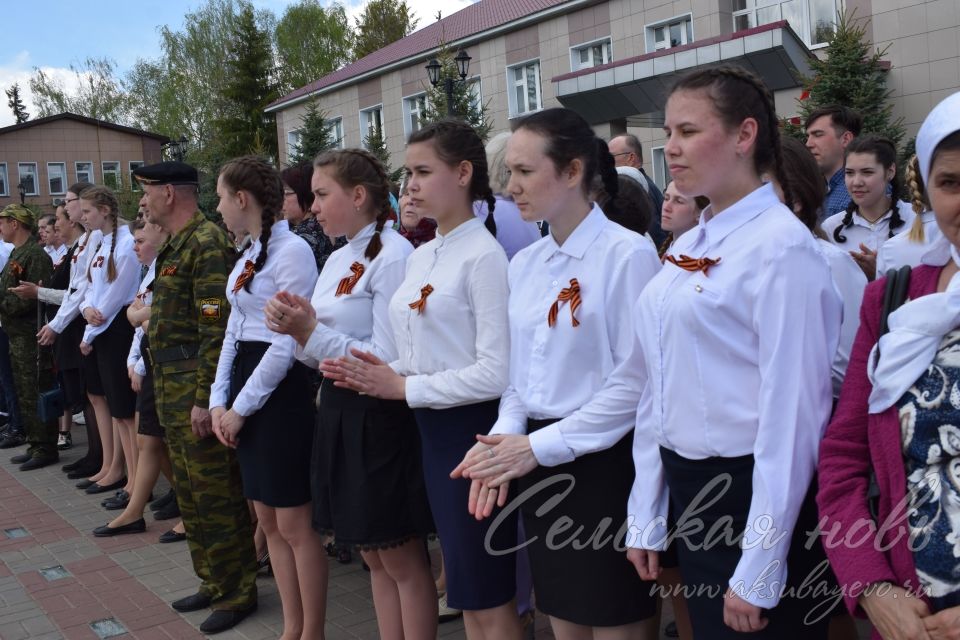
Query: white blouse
(87, 245)
(738, 361)
(360, 319)
(900, 250)
(145, 295)
(850, 283)
(456, 351)
(871, 234)
(110, 297)
(582, 374)
(290, 266)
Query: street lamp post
(176, 148)
(434, 70)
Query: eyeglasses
(289, 192)
(66, 200)
(622, 153)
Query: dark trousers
(41, 436)
(8, 392)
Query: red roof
(472, 20)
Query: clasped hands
(227, 424)
(490, 465)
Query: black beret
(167, 173)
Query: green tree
(99, 94)
(250, 88)
(376, 145)
(466, 101)
(382, 22)
(311, 41)
(315, 136)
(15, 102)
(851, 75)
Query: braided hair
(454, 141)
(738, 94)
(886, 154)
(359, 168)
(258, 178)
(918, 198)
(104, 197)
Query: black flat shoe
(73, 466)
(96, 487)
(83, 472)
(83, 484)
(223, 619)
(38, 462)
(116, 502)
(21, 458)
(172, 510)
(137, 526)
(191, 603)
(172, 536)
(163, 500)
(12, 439)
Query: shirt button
(698, 288)
(554, 283)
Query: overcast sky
(53, 34)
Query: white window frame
(420, 101)
(63, 178)
(4, 180)
(36, 177)
(512, 84)
(335, 127)
(365, 123)
(686, 35)
(132, 166)
(661, 174)
(805, 29)
(118, 172)
(76, 171)
(576, 65)
(293, 142)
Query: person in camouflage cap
(187, 323)
(29, 262)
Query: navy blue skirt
(476, 578)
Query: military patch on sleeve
(210, 309)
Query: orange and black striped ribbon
(420, 304)
(693, 264)
(244, 276)
(570, 294)
(347, 284)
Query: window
(413, 108)
(134, 183)
(371, 123)
(476, 96)
(111, 175)
(84, 172)
(591, 54)
(4, 190)
(671, 33)
(661, 174)
(335, 128)
(523, 83)
(813, 20)
(57, 178)
(293, 143)
(28, 178)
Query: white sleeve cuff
(549, 447)
(508, 426)
(416, 391)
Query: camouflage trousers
(215, 514)
(41, 437)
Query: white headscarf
(916, 329)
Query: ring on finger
(491, 452)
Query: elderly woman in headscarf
(899, 417)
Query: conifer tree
(315, 136)
(15, 102)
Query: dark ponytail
(255, 176)
(609, 178)
(886, 154)
(359, 168)
(454, 141)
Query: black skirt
(110, 349)
(149, 423)
(66, 348)
(366, 473)
(802, 613)
(273, 447)
(581, 574)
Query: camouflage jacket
(188, 317)
(30, 263)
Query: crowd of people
(740, 393)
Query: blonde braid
(918, 198)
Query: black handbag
(50, 404)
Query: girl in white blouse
(567, 417)
(735, 337)
(448, 319)
(908, 247)
(870, 169)
(113, 275)
(260, 399)
(367, 477)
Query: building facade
(612, 60)
(47, 155)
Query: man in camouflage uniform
(187, 324)
(29, 262)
